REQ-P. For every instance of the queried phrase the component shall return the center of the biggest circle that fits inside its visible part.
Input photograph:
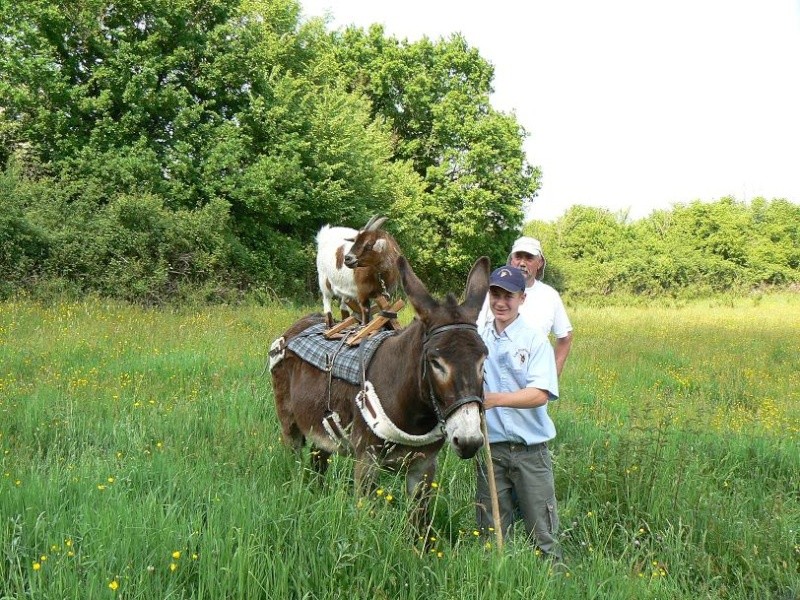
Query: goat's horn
(375, 223)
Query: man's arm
(563, 346)
(529, 397)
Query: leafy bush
(694, 250)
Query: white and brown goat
(356, 266)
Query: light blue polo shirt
(519, 357)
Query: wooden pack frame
(375, 324)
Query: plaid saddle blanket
(343, 360)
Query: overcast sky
(630, 104)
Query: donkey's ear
(477, 286)
(416, 291)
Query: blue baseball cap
(509, 278)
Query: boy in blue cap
(520, 378)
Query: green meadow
(141, 458)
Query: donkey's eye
(438, 365)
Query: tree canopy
(435, 96)
(152, 148)
(195, 142)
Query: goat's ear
(375, 223)
(416, 291)
(477, 285)
(380, 245)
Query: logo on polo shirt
(521, 356)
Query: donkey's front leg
(420, 476)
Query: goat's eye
(367, 247)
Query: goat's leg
(345, 309)
(365, 310)
(351, 307)
(324, 286)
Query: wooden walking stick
(498, 522)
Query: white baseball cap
(529, 245)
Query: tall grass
(141, 459)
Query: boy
(520, 379)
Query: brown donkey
(423, 384)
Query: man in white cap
(543, 306)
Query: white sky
(630, 104)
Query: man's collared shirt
(519, 357)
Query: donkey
(422, 384)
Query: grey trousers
(525, 483)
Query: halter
(440, 414)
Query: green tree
(774, 242)
(24, 245)
(691, 250)
(584, 249)
(180, 105)
(435, 97)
